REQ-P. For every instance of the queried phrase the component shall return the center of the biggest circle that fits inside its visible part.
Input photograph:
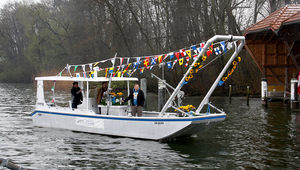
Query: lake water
(251, 137)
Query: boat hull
(153, 128)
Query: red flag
(182, 52)
(187, 61)
(177, 55)
(146, 63)
(298, 83)
(160, 59)
(208, 52)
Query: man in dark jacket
(137, 100)
(76, 95)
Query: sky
(2, 2)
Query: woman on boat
(137, 100)
(76, 95)
(101, 91)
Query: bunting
(96, 64)
(146, 63)
(187, 61)
(169, 64)
(223, 46)
(182, 52)
(177, 55)
(121, 61)
(75, 68)
(153, 61)
(171, 55)
(194, 49)
(111, 70)
(83, 68)
(189, 53)
(180, 61)
(175, 61)
(159, 59)
(106, 70)
(217, 51)
(142, 71)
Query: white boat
(116, 120)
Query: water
(250, 138)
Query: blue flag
(153, 61)
(223, 46)
(169, 64)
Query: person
(76, 95)
(101, 91)
(137, 100)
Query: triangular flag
(208, 52)
(159, 59)
(177, 55)
(151, 67)
(75, 68)
(180, 61)
(166, 55)
(121, 61)
(175, 61)
(53, 100)
(83, 68)
(52, 88)
(187, 61)
(142, 71)
(126, 68)
(189, 53)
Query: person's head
(136, 87)
(75, 84)
(104, 84)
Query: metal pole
(109, 85)
(234, 55)
(264, 90)
(294, 98)
(87, 95)
(144, 89)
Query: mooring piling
(294, 98)
(264, 92)
(230, 91)
(248, 93)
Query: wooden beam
(291, 49)
(275, 76)
(253, 57)
(280, 66)
(292, 55)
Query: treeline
(36, 37)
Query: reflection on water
(250, 138)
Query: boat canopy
(96, 79)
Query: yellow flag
(119, 74)
(189, 53)
(180, 61)
(96, 64)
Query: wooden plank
(275, 76)
(292, 55)
(280, 66)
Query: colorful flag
(106, 70)
(146, 63)
(153, 61)
(142, 71)
(187, 61)
(126, 68)
(77, 75)
(194, 48)
(121, 61)
(175, 61)
(159, 59)
(52, 89)
(96, 64)
(298, 82)
(177, 55)
(182, 52)
(75, 68)
(194, 56)
(84, 74)
(223, 46)
(166, 55)
(171, 55)
(119, 74)
(180, 61)
(208, 52)
(189, 53)
(53, 100)
(111, 70)
(217, 51)
(169, 64)
(83, 68)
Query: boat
(115, 120)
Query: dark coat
(76, 95)
(140, 98)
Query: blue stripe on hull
(132, 119)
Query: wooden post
(264, 91)
(248, 93)
(144, 89)
(294, 98)
(230, 90)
